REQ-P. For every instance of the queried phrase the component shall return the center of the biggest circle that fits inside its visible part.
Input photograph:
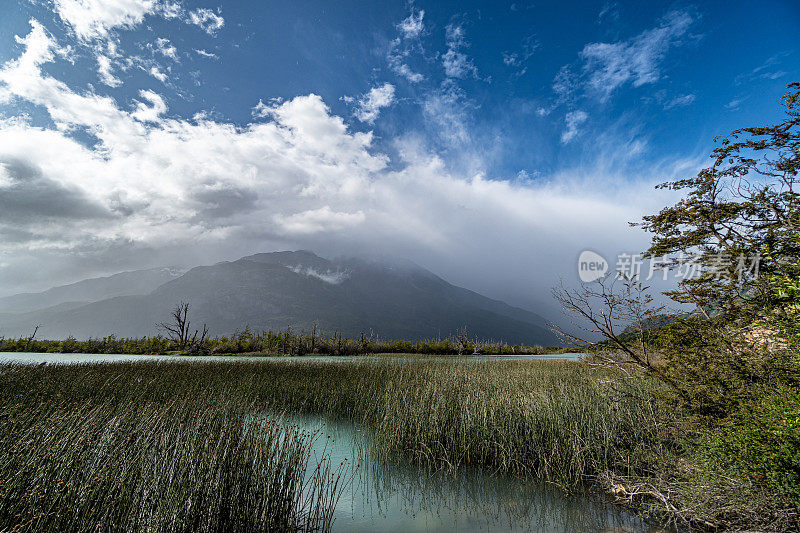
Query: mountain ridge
(298, 290)
(130, 282)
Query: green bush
(761, 440)
(787, 320)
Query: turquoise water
(396, 496)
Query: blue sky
(488, 141)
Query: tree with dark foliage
(740, 219)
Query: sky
(491, 142)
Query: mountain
(90, 290)
(298, 289)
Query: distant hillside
(298, 289)
(90, 290)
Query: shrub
(761, 440)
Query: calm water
(68, 358)
(398, 497)
(395, 496)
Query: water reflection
(395, 495)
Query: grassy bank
(118, 453)
(552, 420)
(286, 342)
(563, 422)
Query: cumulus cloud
(370, 104)
(455, 61)
(573, 121)
(209, 21)
(91, 19)
(151, 112)
(157, 187)
(97, 19)
(608, 66)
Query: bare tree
(613, 305)
(29, 340)
(179, 332)
(178, 328)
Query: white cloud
(170, 10)
(734, 104)
(573, 121)
(205, 53)
(318, 220)
(410, 75)
(518, 59)
(334, 277)
(680, 101)
(96, 19)
(106, 72)
(608, 66)
(166, 48)
(396, 58)
(564, 83)
(370, 104)
(610, 11)
(401, 48)
(261, 110)
(158, 74)
(152, 112)
(769, 70)
(209, 21)
(160, 187)
(456, 63)
(447, 110)
(23, 79)
(412, 26)
(90, 19)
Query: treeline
(730, 368)
(285, 342)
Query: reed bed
(108, 448)
(558, 421)
(553, 420)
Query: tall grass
(107, 448)
(555, 420)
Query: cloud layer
(155, 188)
